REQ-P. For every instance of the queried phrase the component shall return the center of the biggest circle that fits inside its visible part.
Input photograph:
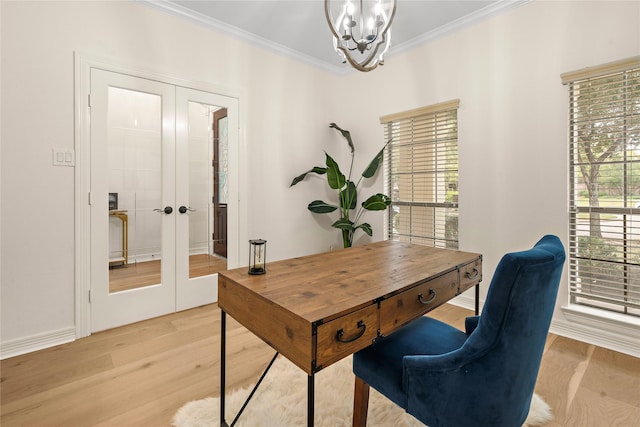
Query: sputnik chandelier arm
(361, 31)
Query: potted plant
(347, 192)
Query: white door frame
(237, 236)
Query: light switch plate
(64, 157)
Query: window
(604, 196)
(422, 175)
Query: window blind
(421, 175)
(604, 199)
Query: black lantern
(257, 256)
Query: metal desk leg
(223, 352)
(477, 299)
(310, 400)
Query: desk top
(327, 285)
(305, 307)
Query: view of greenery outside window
(604, 198)
(421, 175)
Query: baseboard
(36, 342)
(465, 300)
(627, 344)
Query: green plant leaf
(316, 169)
(366, 227)
(335, 178)
(373, 166)
(375, 163)
(349, 196)
(318, 206)
(377, 202)
(343, 224)
(346, 134)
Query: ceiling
(298, 27)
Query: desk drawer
(346, 335)
(414, 302)
(470, 275)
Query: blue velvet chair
(485, 377)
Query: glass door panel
(220, 180)
(134, 138)
(202, 260)
(223, 157)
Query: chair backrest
(515, 319)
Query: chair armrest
(434, 382)
(459, 360)
(471, 323)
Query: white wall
(513, 120)
(505, 70)
(284, 115)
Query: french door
(151, 193)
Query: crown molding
(212, 23)
(466, 21)
(215, 24)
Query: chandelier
(361, 30)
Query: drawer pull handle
(472, 275)
(340, 334)
(430, 300)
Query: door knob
(184, 209)
(167, 210)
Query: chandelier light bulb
(350, 7)
(371, 24)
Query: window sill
(608, 320)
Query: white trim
(458, 24)
(607, 320)
(82, 224)
(137, 69)
(466, 300)
(36, 342)
(615, 332)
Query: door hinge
(89, 100)
(89, 296)
(89, 198)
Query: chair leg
(360, 403)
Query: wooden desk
(318, 309)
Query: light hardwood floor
(139, 375)
(141, 274)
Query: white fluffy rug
(281, 400)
